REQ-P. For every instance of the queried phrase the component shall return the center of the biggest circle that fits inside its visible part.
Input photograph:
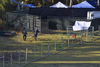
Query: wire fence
(17, 57)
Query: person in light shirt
(35, 32)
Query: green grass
(84, 55)
(17, 40)
(16, 43)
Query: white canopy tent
(59, 5)
(84, 4)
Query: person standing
(35, 32)
(24, 34)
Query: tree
(21, 0)
(71, 3)
(2, 9)
(2, 3)
(98, 2)
(5, 6)
(79, 1)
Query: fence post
(99, 29)
(81, 36)
(26, 54)
(19, 57)
(75, 38)
(48, 48)
(87, 34)
(62, 42)
(41, 50)
(55, 46)
(3, 61)
(93, 31)
(34, 52)
(11, 59)
(68, 40)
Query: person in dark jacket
(24, 34)
(35, 32)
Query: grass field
(12, 42)
(16, 43)
(84, 55)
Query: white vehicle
(93, 15)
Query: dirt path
(85, 55)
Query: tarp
(27, 5)
(84, 4)
(70, 12)
(59, 5)
(81, 25)
(6, 33)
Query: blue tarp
(16, 2)
(84, 4)
(27, 5)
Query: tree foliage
(49, 2)
(2, 3)
(79, 1)
(5, 6)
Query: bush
(2, 25)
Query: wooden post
(87, 34)
(41, 50)
(19, 57)
(48, 48)
(99, 29)
(62, 42)
(55, 46)
(93, 31)
(34, 52)
(75, 38)
(81, 36)
(11, 59)
(3, 61)
(26, 54)
(68, 40)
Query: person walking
(24, 34)
(35, 32)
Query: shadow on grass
(8, 43)
(83, 55)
